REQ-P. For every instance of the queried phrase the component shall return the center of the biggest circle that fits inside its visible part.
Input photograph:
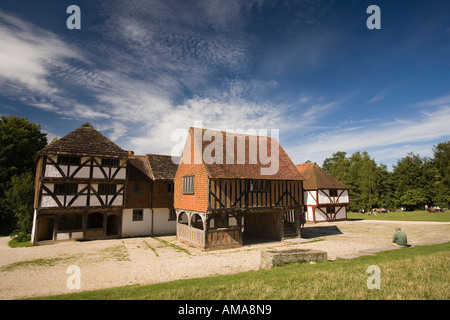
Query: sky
(140, 71)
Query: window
(69, 221)
(95, 220)
(170, 188)
(333, 193)
(330, 210)
(188, 185)
(172, 215)
(110, 162)
(259, 186)
(68, 160)
(138, 188)
(65, 188)
(138, 215)
(104, 188)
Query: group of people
(433, 208)
(374, 211)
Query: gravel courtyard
(42, 270)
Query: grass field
(420, 272)
(418, 215)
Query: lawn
(420, 272)
(418, 215)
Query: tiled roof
(139, 168)
(85, 141)
(248, 169)
(162, 167)
(317, 178)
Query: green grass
(172, 245)
(13, 243)
(418, 215)
(420, 272)
(33, 263)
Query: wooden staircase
(289, 231)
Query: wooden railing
(191, 235)
(223, 237)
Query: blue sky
(139, 70)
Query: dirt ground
(42, 270)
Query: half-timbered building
(149, 196)
(223, 193)
(79, 187)
(326, 198)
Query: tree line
(414, 182)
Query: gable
(85, 141)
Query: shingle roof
(139, 168)
(249, 169)
(85, 141)
(162, 167)
(317, 178)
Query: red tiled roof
(317, 178)
(248, 169)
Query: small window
(172, 215)
(188, 185)
(333, 193)
(110, 162)
(105, 188)
(170, 188)
(138, 188)
(138, 215)
(330, 210)
(68, 160)
(65, 188)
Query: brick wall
(199, 200)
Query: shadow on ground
(320, 231)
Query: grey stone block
(277, 257)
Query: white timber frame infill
(85, 168)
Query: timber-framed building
(326, 198)
(79, 187)
(219, 202)
(87, 187)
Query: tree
(412, 187)
(441, 162)
(386, 188)
(20, 202)
(361, 174)
(19, 142)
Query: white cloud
(25, 52)
(398, 136)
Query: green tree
(363, 177)
(441, 163)
(386, 188)
(19, 142)
(19, 198)
(412, 187)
